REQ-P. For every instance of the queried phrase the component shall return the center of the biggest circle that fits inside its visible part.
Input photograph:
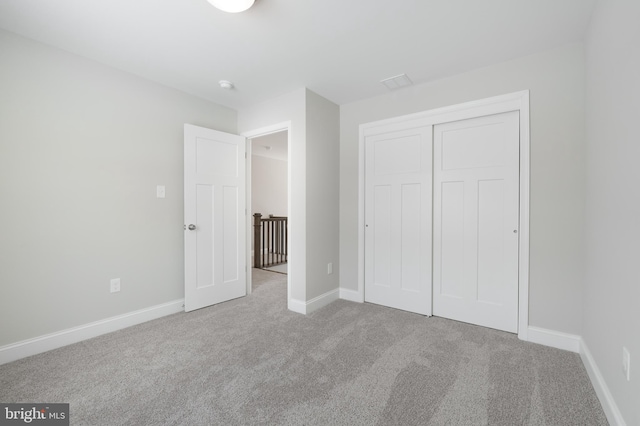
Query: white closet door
(475, 223)
(398, 200)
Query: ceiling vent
(393, 83)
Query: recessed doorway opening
(268, 203)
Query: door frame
(517, 101)
(249, 135)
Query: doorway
(277, 138)
(269, 201)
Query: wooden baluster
(279, 242)
(257, 224)
(270, 241)
(264, 232)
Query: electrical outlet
(160, 191)
(626, 363)
(329, 268)
(115, 285)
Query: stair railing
(269, 240)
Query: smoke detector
(225, 84)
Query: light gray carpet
(264, 276)
(278, 268)
(251, 361)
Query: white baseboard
(25, 348)
(351, 295)
(573, 343)
(297, 306)
(314, 304)
(554, 339)
(602, 390)
(322, 300)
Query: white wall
(323, 194)
(612, 291)
(556, 82)
(82, 148)
(314, 193)
(268, 186)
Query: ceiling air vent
(393, 83)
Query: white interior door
(398, 199)
(214, 211)
(475, 223)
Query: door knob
(192, 227)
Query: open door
(214, 214)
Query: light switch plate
(160, 191)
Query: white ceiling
(340, 49)
(274, 145)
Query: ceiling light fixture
(232, 6)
